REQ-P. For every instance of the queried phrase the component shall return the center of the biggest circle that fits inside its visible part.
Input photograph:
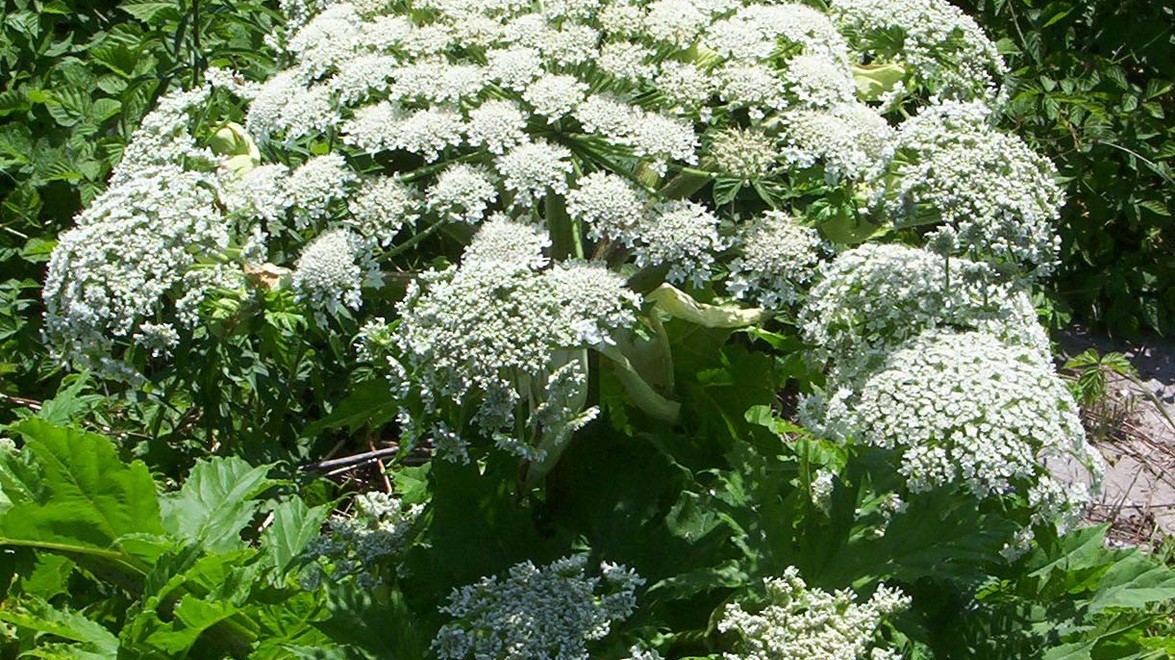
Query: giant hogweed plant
(588, 254)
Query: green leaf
(294, 525)
(67, 404)
(119, 58)
(104, 109)
(193, 616)
(36, 615)
(763, 415)
(1074, 651)
(150, 12)
(84, 496)
(369, 403)
(1134, 583)
(725, 190)
(1059, 16)
(216, 502)
(412, 484)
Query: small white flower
(802, 622)
(683, 235)
(382, 207)
(609, 205)
(555, 96)
(332, 271)
(462, 192)
(530, 169)
(497, 125)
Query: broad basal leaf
(84, 496)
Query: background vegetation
(1094, 93)
(1095, 80)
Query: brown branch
(353, 460)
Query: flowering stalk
(642, 394)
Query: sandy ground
(1138, 493)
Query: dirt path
(1138, 494)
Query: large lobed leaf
(215, 503)
(80, 495)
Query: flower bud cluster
(377, 527)
(550, 611)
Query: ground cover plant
(687, 328)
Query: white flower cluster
(317, 184)
(146, 251)
(394, 118)
(122, 272)
(551, 611)
(946, 49)
(682, 235)
(619, 83)
(778, 258)
(179, 221)
(332, 270)
(823, 485)
(376, 528)
(499, 328)
(849, 139)
(874, 297)
(996, 198)
(609, 206)
(805, 623)
(163, 138)
(381, 208)
(967, 408)
(463, 193)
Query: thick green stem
(562, 229)
(641, 393)
(687, 182)
(648, 278)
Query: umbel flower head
(801, 622)
(550, 611)
(871, 299)
(967, 409)
(503, 327)
(995, 198)
(608, 116)
(116, 274)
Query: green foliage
(1072, 598)
(1091, 370)
(1094, 93)
(192, 573)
